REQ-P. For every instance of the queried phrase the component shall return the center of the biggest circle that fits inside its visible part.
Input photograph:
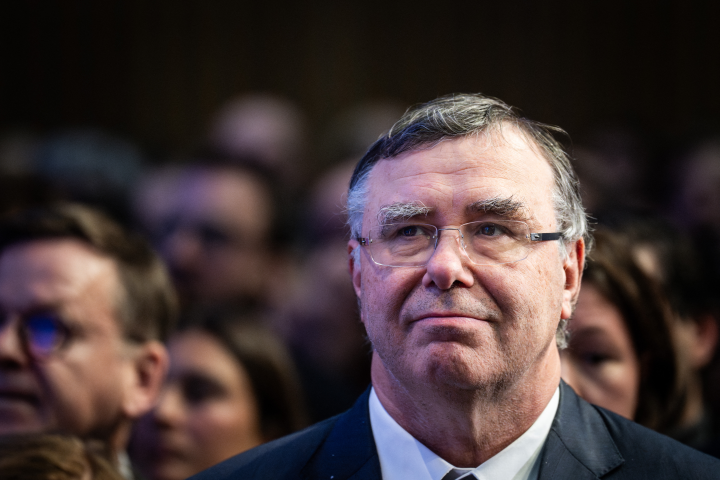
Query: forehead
(596, 314)
(197, 351)
(47, 273)
(225, 195)
(458, 172)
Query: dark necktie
(455, 473)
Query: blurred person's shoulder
(340, 446)
(587, 439)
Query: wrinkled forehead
(501, 164)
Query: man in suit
(84, 308)
(466, 253)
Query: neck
(694, 402)
(466, 427)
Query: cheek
(612, 384)
(383, 292)
(529, 306)
(83, 390)
(235, 269)
(224, 428)
(619, 385)
(219, 419)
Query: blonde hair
(52, 457)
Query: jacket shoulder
(586, 441)
(281, 458)
(649, 454)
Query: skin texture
(600, 362)
(465, 356)
(97, 383)
(231, 265)
(206, 413)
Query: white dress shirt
(403, 457)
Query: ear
(354, 267)
(703, 333)
(147, 368)
(573, 268)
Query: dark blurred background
(156, 71)
(227, 130)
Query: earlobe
(148, 367)
(573, 268)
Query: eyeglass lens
(486, 243)
(44, 333)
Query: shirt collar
(401, 456)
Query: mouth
(447, 317)
(18, 395)
(164, 452)
(449, 326)
(14, 399)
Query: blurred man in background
(215, 233)
(84, 308)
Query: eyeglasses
(485, 242)
(42, 333)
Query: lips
(14, 389)
(447, 317)
(9, 397)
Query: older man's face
(452, 322)
(81, 387)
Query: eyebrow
(502, 207)
(401, 212)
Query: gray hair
(454, 116)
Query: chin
(20, 424)
(462, 368)
(172, 471)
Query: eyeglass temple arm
(545, 237)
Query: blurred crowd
(251, 228)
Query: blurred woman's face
(206, 412)
(600, 362)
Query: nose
(449, 262)
(182, 249)
(12, 353)
(170, 409)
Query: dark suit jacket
(585, 442)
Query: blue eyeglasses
(42, 333)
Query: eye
(213, 236)
(197, 389)
(595, 358)
(404, 231)
(409, 231)
(491, 230)
(45, 332)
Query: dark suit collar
(579, 444)
(349, 450)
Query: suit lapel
(579, 445)
(349, 450)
